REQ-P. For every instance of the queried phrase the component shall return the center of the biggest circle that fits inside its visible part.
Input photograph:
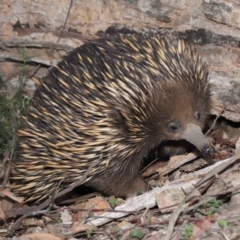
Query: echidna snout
(194, 135)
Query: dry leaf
(6, 205)
(81, 227)
(125, 225)
(96, 203)
(92, 204)
(39, 236)
(32, 222)
(168, 198)
(8, 193)
(66, 217)
(201, 227)
(156, 236)
(152, 168)
(52, 229)
(175, 162)
(2, 215)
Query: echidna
(108, 103)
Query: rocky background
(34, 34)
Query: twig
(210, 174)
(34, 44)
(32, 211)
(176, 214)
(17, 223)
(78, 183)
(79, 199)
(218, 169)
(64, 25)
(33, 60)
(11, 152)
(33, 74)
(208, 185)
(215, 120)
(4, 173)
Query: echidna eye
(197, 115)
(172, 126)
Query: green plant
(222, 223)
(188, 231)
(137, 233)
(114, 202)
(5, 116)
(25, 55)
(11, 110)
(149, 217)
(12, 106)
(211, 207)
(89, 233)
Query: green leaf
(222, 223)
(188, 231)
(137, 233)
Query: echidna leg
(137, 186)
(118, 185)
